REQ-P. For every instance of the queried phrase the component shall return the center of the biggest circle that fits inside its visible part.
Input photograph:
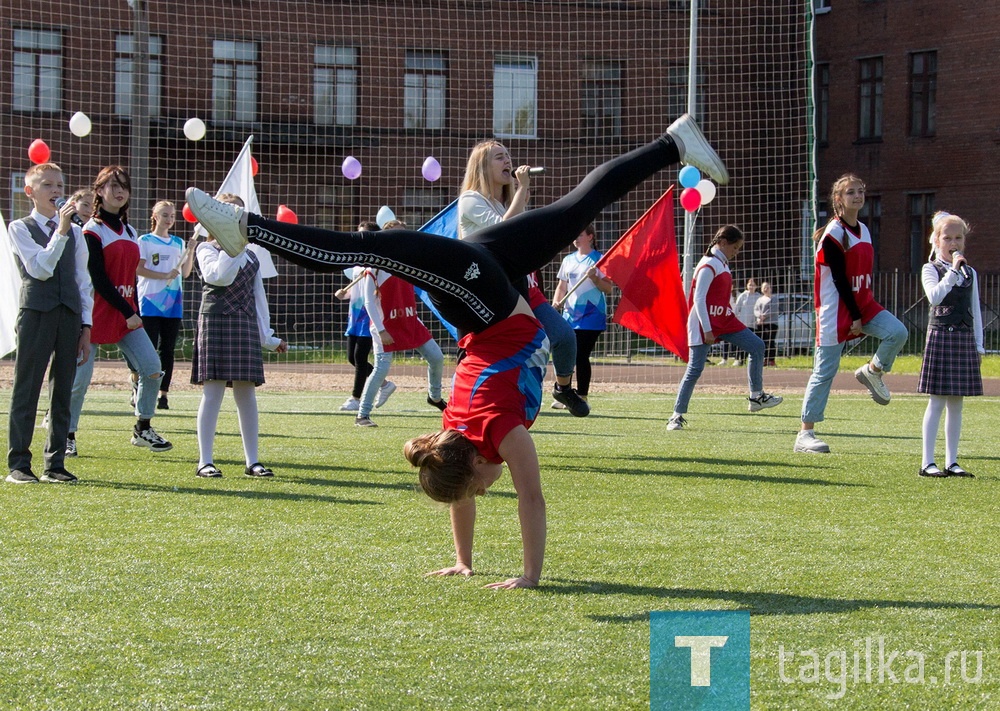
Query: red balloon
(39, 151)
(254, 167)
(690, 199)
(285, 214)
(188, 215)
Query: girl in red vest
(846, 308)
(711, 319)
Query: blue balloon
(689, 176)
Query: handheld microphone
(534, 172)
(75, 219)
(963, 268)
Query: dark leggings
(358, 350)
(585, 342)
(470, 281)
(163, 333)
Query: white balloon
(79, 124)
(705, 188)
(194, 129)
(384, 216)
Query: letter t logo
(701, 656)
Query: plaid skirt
(227, 347)
(951, 363)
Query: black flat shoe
(209, 471)
(955, 470)
(258, 470)
(932, 470)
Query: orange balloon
(285, 214)
(188, 215)
(38, 151)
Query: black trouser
(470, 281)
(358, 350)
(163, 332)
(585, 342)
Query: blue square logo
(699, 660)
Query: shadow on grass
(757, 603)
(720, 463)
(261, 495)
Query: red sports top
(833, 320)
(720, 311)
(121, 256)
(399, 315)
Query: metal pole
(139, 113)
(689, 219)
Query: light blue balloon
(689, 176)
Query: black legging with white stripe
(470, 281)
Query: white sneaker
(807, 441)
(387, 389)
(723, 362)
(764, 401)
(873, 381)
(695, 149)
(351, 404)
(556, 405)
(150, 439)
(737, 363)
(676, 422)
(221, 219)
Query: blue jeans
(140, 354)
(747, 341)
(431, 352)
(826, 362)
(562, 340)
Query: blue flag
(445, 223)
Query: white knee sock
(932, 419)
(245, 395)
(208, 419)
(952, 428)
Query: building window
(920, 210)
(823, 104)
(515, 96)
(923, 93)
(424, 87)
(871, 215)
(821, 7)
(337, 206)
(335, 85)
(421, 204)
(601, 95)
(234, 81)
(870, 98)
(125, 80)
(37, 71)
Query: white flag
(10, 292)
(239, 181)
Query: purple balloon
(351, 168)
(431, 169)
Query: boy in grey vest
(54, 321)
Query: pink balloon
(690, 199)
(351, 168)
(431, 169)
(38, 151)
(285, 214)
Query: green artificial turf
(144, 587)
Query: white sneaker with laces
(387, 389)
(695, 149)
(764, 401)
(71, 450)
(150, 439)
(807, 441)
(221, 219)
(873, 381)
(351, 404)
(676, 422)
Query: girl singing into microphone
(954, 348)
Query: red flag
(644, 265)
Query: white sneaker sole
(876, 395)
(220, 219)
(812, 450)
(697, 150)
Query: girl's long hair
(837, 199)
(107, 174)
(477, 176)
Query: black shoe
(932, 470)
(955, 470)
(161, 404)
(22, 476)
(209, 471)
(258, 470)
(573, 402)
(58, 476)
(439, 404)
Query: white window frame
(425, 90)
(335, 85)
(234, 80)
(37, 73)
(125, 74)
(515, 96)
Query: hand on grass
(512, 583)
(457, 569)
